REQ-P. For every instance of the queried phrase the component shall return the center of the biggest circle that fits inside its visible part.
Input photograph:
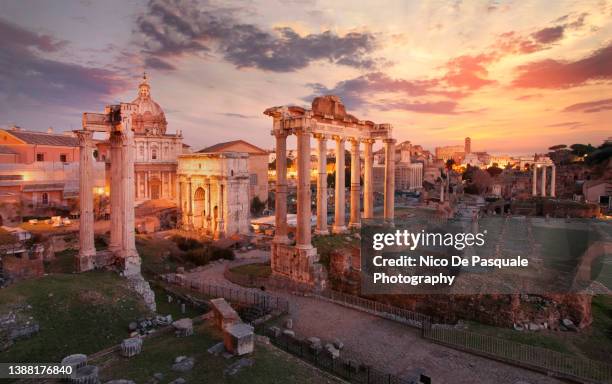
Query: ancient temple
(327, 120)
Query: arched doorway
(154, 188)
(198, 208)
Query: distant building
(257, 165)
(599, 192)
(40, 169)
(468, 145)
(213, 196)
(455, 152)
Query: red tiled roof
(42, 138)
(223, 147)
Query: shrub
(186, 243)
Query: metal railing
(347, 368)
(541, 359)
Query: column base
(321, 232)
(339, 229)
(356, 225)
(85, 261)
(281, 239)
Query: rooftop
(226, 147)
(43, 138)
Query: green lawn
(80, 313)
(256, 270)
(326, 244)
(271, 365)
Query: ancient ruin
(543, 165)
(326, 120)
(212, 193)
(116, 122)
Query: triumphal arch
(326, 120)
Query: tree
(582, 149)
(557, 147)
(450, 163)
(494, 171)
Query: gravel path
(389, 346)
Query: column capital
(389, 140)
(368, 141)
(84, 137)
(320, 136)
(339, 138)
(354, 140)
(279, 133)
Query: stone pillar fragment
(389, 189)
(340, 200)
(368, 186)
(321, 228)
(280, 195)
(87, 249)
(553, 177)
(304, 210)
(355, 218)
(220, 232)
(543, 187)
(115, 193)
(130, 259)
(534, 181)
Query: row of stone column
(303, 234)
(534, 182)
(122, 236)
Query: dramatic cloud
(180, 27)
(564, 74)
(590, 106)
(358, 92)
(549, 35)
(437, 107)
(469, 71)
(24, 73)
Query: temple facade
(213, 193)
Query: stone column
(368, 186)
(355, 218)
(304, 207)
(115, 193)
(190, 204)
(553, 182)
(220, 232)
(180, 219)
(340, 201)
(280, 195)
(208, 208)
(389, 190)
(147, 176)
(131, 260)
(322, 186)
(87, 249)
(544, 181)
(534, 181)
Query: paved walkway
(389, 346)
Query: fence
(235, 295)
(413, 319)
(348, 369)
(536, 358)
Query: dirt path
(384, 344)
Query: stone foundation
(297, 264)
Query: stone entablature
(326, 120)
(214, 193)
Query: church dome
(149, 117)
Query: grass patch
(64, 262)
(81, 313)
(255, 270)
(271, 365)
(158, 255)
(327, 244)
(173, 308)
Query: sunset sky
(516, 76)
